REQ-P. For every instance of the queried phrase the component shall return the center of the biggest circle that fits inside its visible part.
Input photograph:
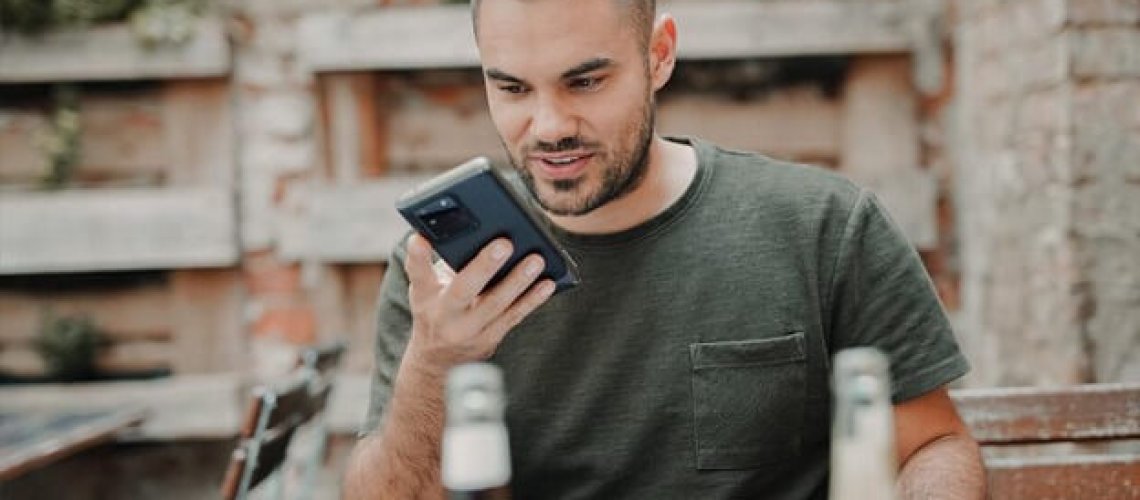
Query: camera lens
(445, 218)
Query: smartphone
(463, 209)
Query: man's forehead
(576, 15)
(550, 34)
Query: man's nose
(553, 121)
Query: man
(694, 359)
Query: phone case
(463, 209)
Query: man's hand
(453, 319)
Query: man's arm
(453, 321)
(938, 457)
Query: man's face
(569, 92)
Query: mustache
(571, 143)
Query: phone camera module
(444, 218)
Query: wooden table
(33, 439)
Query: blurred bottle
(476, 458)
(862, 439)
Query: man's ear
(662, 50)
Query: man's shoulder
(777, 183)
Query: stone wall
(1049, 189)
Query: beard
(624, 167)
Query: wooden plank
(120, 139)
(1036, 415)
(116, 229)
(142, 356)
(362, 289)
(199, 133)
(121, 136)
(208, 333)
(1088, 476)
(44, 438)
(356, 134)
(352, 223)
(21, 157)
(880, 144)
(138, 312)
(440, 125)
(181, 407)
(349, 403)
(794, 123)
(441, 36)
(112, 52)
(117, 358)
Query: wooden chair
(323, 358)
(1091, 413)
(274, 415)
(321, 361)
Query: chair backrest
(274, 414)
(1028, 417)
(323, 358)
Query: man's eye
(585, 83)
(512, 89)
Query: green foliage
(166, 21)
(68, 346)
(35, 16)
(61, 145)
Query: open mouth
(562, 165)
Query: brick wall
(1048, 189)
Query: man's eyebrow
(498, 74)
(588, 66)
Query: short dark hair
(642, 13)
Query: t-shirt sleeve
(393, 326)
(881, 296)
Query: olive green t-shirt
(693, 360)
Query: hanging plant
(161, 22)
(68, 346)
(61, 146)
(153, 21)
(37, 16)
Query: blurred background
(191, 191)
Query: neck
(672, 168)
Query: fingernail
(547, 288)
(499, 251)
(533, 267)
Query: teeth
(562, 161)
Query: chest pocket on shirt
(748, 401)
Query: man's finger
(419, 268)
(471, 280)
(493, 302)
(528, 303)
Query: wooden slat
(117, 358)
(99, 427)
(112, 52)
(1113, 476)
(356, 223)
(116, 230)
(121, 136)
(792, 123)
(198, 132)
(21, 156)
(182, 407)
(356, 133)
(138, 312)
(1036, 415)
(880, 141)
(441, 37)
(208, 332)
(435, 127)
